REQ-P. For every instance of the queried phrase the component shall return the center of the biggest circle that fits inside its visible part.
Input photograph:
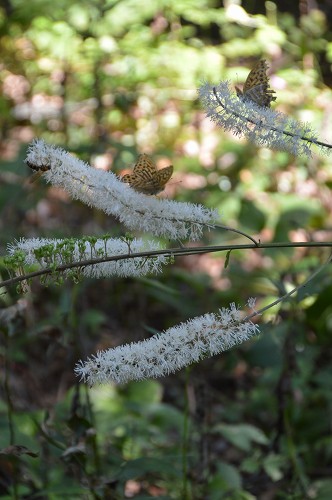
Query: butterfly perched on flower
(257, 86)
(146, 178)
(38, 169)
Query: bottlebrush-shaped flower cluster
(51, 253)
(170, 350)
(260, 125)
(105, 191)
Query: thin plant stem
(10, 415)
(293, 456)
(228, 228)
(7, 392)
(171, 252)
(288, 294)
(284, 132)
(185, 437)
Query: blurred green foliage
(108, 80)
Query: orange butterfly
(256, 87)
(146, 178)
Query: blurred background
(108, 80)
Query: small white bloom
(169, 351)
(105, 191)
(66, 251)
(251, 303)
(261, 125)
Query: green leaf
(272, 465)
(323, 489)
(227, 477)
(144, 391)
(141, 466)
(228, 254)
(251, 216)
(242, 436)
(227, 483)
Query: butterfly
(146, 178)
(38, 169)
(256, 87)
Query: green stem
(284, 132)
(185, 437)
(171, 252)
(284, 297)
(10, 415)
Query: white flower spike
(105, 191)
(169, 351)
(261, 125)
(67, 251)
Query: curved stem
(172, 252)
(288, 294)
(284, 132)
(228, 228)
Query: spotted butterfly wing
(257, 86)
(146, 178)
